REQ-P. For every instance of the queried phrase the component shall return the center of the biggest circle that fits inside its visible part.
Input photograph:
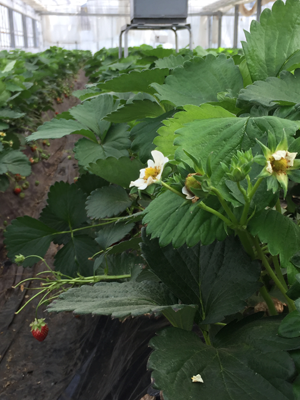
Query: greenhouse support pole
(209, 31)
(11, 28)
(258, 11)
(236, 26)
(34, 28)
(220, 30)
(25, 31)
(176, 39)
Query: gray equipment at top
(158, 11)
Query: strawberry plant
(28, 85)
(187, 206)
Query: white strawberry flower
(280, 161)
(279, 164)
(152, 174)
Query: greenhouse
(149, 200)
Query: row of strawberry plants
(187, 206)
(29, 84)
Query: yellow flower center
(151, 172)
(279, 166)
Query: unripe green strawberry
(25, 185)
(22, 195)
(191, 182)
(36, 183)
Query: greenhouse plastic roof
(122, 6)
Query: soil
(83, 357)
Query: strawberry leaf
(144, 133)
(73, 258)
(65, 207)
(272, 91)
(135, 81)
(115, 145)
(118, 171)
(280, 232)
(265, 56)
(107, 202)
(119, 300)
(203, 275)
(28, 236)
(251, 363)
(113, 233)
(89, 121)
(200, 80)
(14, 161)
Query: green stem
(96, 278)
(255, 187)
(248, 201)
(42, 259)
(172, 189)
(273, 275)
(216, 213)
(278, 206)
(246, 242)
(244, 216)
(267, 298)
(242, 190)
(33, 297)
(28, 279)
(85, 227)
(100, 252)
(225, 205)
(278, 272)
(206, 338)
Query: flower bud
(19, 259)
(240, 166)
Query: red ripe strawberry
(18, 177)
(17, 190)
(39, 329)
(66, 96)
(56, 112)
(33, 148)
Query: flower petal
(269, 167)
(279, 154)
(158, 157)
(139, 183)
(142, 172)
(187, 193)
(290, 157)
(150, 164)
(197, 378)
